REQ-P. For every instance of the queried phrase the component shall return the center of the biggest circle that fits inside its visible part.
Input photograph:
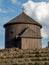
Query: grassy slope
(15, 56)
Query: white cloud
(6, 10)
(15, 2)
(40, 12)
(2, 11)
(44, 34)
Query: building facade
(23, 32)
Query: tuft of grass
(20, 56)
(36, 63)
(15, 64)
(46, 63)
(30, 64)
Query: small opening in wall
(11, 32)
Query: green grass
(15, 64)
(20, 56)
(30, 64)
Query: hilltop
(15, 56)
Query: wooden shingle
(23, 18)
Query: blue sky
(10, 9)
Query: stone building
(23, 32)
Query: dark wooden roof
(22, 18)
(28, 33)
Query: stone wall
(15, 56)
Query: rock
(19, 56)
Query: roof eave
(20, 23)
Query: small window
(11, 32)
